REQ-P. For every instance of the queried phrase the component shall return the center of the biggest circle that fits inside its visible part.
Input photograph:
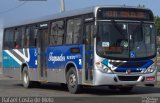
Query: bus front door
(88, 52)
(42, 63)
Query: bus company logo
(56, 58)
(128, 71)
(141, 69)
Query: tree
(157, 23)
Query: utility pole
(62, 6)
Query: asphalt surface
(13, 88)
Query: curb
(2, 77)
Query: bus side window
(23, 37)
(60, 32)
(35, 37)
(31, 37)
(53, 36)
(27, 37)
(74, 31)
(18, 38)
(8, 39)
(70, 27)
(57, 33)
(15, 38)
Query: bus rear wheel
(26, 80)
(72, 81)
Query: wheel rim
(25, 78)
(72, 80)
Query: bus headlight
(103, 68)
(150, 69)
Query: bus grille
(124, 71)
(128, 64)
(134, 66)
(128, 78)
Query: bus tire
(125, 89)
(26, 80)
(72, 81)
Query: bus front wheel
(26, 80)
(72, 81)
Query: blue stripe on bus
(9, 62)
(59, 56)
(145, 66)
(33, 62)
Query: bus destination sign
(125, 13)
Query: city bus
(112, 46)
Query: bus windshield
(126, 40)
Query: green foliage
(157, 23)
(158, 68)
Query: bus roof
(68, 14)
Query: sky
(12, 11)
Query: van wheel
(26, 80)
(72, 81)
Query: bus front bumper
(101, 78)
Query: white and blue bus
(102, 45)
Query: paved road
(15, 88)
(12, 88)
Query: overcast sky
(19, 10)
(12, 11)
